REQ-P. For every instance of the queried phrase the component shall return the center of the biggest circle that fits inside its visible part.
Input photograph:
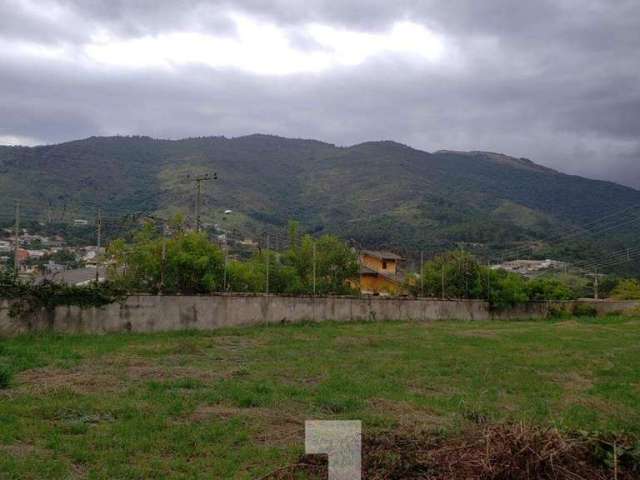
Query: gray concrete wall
(148, 313)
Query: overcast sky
(556, 81)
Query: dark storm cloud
(555, 81)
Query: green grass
(232, 403)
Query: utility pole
(16, 263)
(267, 257)
(164, 256)
(224, 273)
(421, 273)
(198, 180)
(99, 243)
(314, 268)
(443, 282)
(596, 285)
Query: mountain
(376, 193)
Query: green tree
(251, 275)
(548, 288)
(506, 289)
(457, 273)
(627, 289)
(190, 264)
(336, 264)
(193, 264)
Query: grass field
(232, 403)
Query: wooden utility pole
(16, 263)
(99, 244)
(198, 181)
(443, 282)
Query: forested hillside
(376, 193)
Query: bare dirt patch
(273, 428)
(82, 380)
(148, 371)
(358, 341)
(477, 333)
(111, 374)
(573, 381)
(19, 450)
(497, 452)
(567, 324)
(206, 412)
(409, 417)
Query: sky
(556, 81)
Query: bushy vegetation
(5, 377)
(187, 262)
(627, 289)
(48, 294)
(458, 274)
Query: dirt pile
(489, 452)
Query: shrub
(627, 289)
(48, 295)
(558, 311)
(543, 288)
(584, 310)
(507, 289)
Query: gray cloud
(554, 81)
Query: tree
(506, 289)
(457, 271)
(336, 264)
(251, 275)
(462, 276)
(190, 264)
(547, 288)
(627, 289)
(193, 264)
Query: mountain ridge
(470, 153)
(379, 193)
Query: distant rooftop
(76, 276)
(382, 254)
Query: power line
(626, 253)
(614, 261)
(598, 231)
(579, 230)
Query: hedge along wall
(148, 313)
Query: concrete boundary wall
(149, 313)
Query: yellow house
(379, 273)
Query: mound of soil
(489, 452)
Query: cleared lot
(232, 403)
